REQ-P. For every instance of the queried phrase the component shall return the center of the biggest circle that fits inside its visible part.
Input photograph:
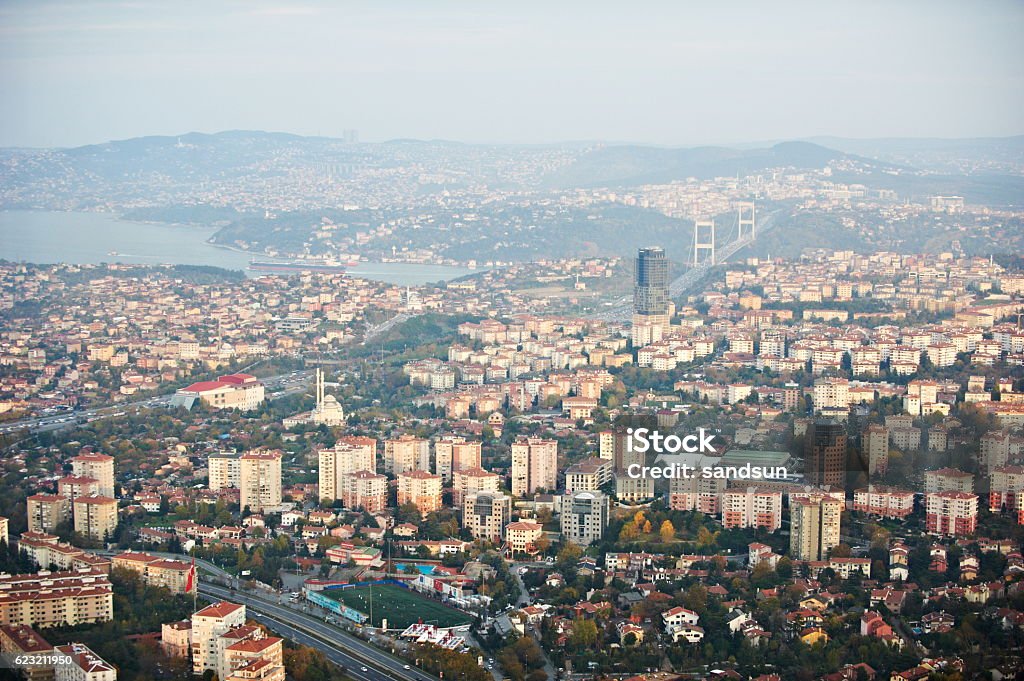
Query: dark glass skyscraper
(825, 453)
(650, 293)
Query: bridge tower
(746, 225)
(703, 242)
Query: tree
(667, 531)
(696, 598)
(584, 633)
(706, 537)
(762, 575)
(569, 552)
(628, 533)
(841, 551)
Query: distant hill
(633, 165)
(975, 154)
(270, 192)
(191, 155)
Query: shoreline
(363, 267)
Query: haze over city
(525, 72)
(424, 341)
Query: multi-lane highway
(276, 387)
(361, 660)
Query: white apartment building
(207, 626)
(752, 507)
(84, 665)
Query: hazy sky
(660, 72)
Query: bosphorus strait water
(82, 238)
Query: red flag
(190, 584)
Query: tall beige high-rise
(407, 453)
(814, 525)
(95, 516)
(624, 455)
(97, 466)
(260, 480)
(46, 511)
(365, 490)
(875, 448)
(420, 488)
(224, 470)
(453, 453)
(349, 455)
(534, 466)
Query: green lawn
(401, 607)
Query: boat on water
(294, 266)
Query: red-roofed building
(173, 574)
(233, 391)
(951, 513)
(85, 665)
(255, 658)
(208, 625)
(22, 640)
(56, 598)
(872, 624)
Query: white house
(678, 616)
(690, 633)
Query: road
(383, 328)
(353, 667)
(284, 618)
(277, 386)
(525, 600)
(340, 647)
(524, 595)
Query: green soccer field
(401, 607)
